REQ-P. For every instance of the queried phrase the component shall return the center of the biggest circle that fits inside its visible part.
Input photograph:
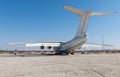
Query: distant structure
(102, 41)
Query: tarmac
(79, 65)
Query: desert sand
(85, 65)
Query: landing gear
(72, 53)
(15, 53)
(62, 53)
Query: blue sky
(47, 20)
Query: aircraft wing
(96, 45)
(37, 44)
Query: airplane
(78, 41)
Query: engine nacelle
(49, 47)
(42, 47)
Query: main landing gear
(64, 53)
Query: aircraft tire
(72, 53)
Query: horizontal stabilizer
(74, 10)
(80, 12)
(101, 13)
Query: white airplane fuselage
(73, 44)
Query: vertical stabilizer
(84, 16)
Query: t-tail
(84, 16)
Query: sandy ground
(85, 65)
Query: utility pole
(102, 41)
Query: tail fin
(84, 16)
